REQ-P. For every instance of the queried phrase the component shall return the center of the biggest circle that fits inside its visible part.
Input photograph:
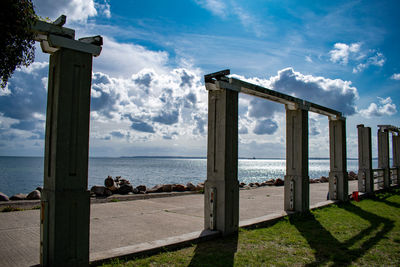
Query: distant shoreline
(177, 157)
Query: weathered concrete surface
(129, 223)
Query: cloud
(223, 10)
(216, 7)
(395, 76)
(385, 107)
(341, 52)
(376, 60)
(267, 126)
(333, 93)
(75, 10)
(26, 97)
(124, 59)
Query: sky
(148, 96)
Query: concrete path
(126, 223)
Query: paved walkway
(126, 223)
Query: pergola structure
(221, 200)
(365, 169)
(65, 206)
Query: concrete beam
(297, 186)
(338, 177)
(221, 196)
(383, 156)
(365, 174)
(65, 198)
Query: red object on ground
(355, 196)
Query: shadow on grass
(328, 248)
(220, 252)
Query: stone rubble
(123, 186)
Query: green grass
(365, 233)
(115, 200)
(10, 209)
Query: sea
(24, 174)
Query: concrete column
(65, 200)
(297, 184)
(221, 196)
(365, 174)
(396, 155)
(338, 178)
(383, 156)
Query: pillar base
(297, 193)
(365, 181)
(65, 218)
(338, 186)
(221, 206)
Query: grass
(10, 209)
(115, 200)
(365, 233)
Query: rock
(107, 192)
(191, 187)
(101, 191)
(135, 191)
(141, 188)
(352, 176)
(167, 188)
(178, 187)
(125, 189)
(323, 179)
(263, 184)
(251, 184)
(3, 197)
(110, 183)
(270, 182)
(241, 185)
(257, 184)
(279, 182)
(200, 186)
(246, 187)
(35, 194)
(19, 196)
(39, 189)
(155, 189)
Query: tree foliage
(17, 45)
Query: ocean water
(24, 174)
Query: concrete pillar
(221, 196)
(396, 156)
(338, 178)
(297, 185)
(65, 200)
(365, 174)
(383, 156)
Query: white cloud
(395, 76)
(336, 94)
(385, 107)
(222, 9)
(344, 53)
(123, 59)
(377, 59)
(341, 52)
(216, 7)
(75, 10)
(308, 59)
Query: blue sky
(148, 95)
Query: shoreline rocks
(122, 186)
(4, 197)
